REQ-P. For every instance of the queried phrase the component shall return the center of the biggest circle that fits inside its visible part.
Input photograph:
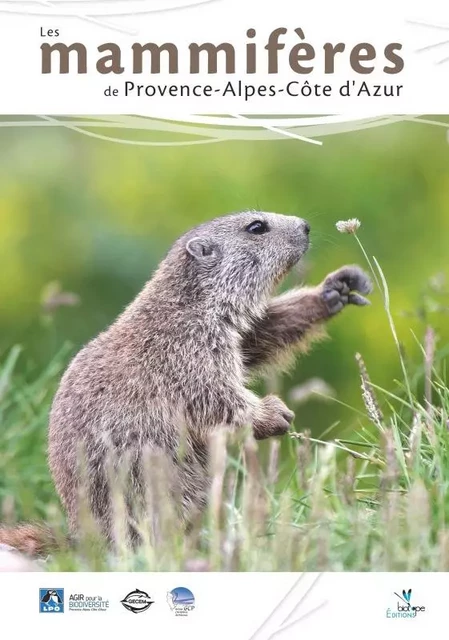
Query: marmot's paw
(344, 287)
(274, 418)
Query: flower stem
(383, 287)
(373, 271)
(393, 330)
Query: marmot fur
(175, 364)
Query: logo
(181, 601)
(137, 601)
(81, 602)
(51, 600)
(404, 607)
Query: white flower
(348, 226)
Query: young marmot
(175, 364)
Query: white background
(25, 90)
(227, 605)
(350, 605)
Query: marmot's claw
(339, 287)
(288, 415)
(276, 419)
(351, 278)
(360, 301)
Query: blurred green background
(96, 217)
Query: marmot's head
(236, 260)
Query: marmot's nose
(306, 227)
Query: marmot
(181, 354)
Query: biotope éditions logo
(51, 600)
(404, 606)
(181, 601)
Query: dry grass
(379, 501)
(376, 502)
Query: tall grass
(25, 485)
(378, 501)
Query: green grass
(376, 501)
(25, 486)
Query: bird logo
(51, 600)
(52, 596)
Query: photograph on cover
(223, 357)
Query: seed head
(368, 395)
(348, 226)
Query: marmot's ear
(202, 248)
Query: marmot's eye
(257, 227)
